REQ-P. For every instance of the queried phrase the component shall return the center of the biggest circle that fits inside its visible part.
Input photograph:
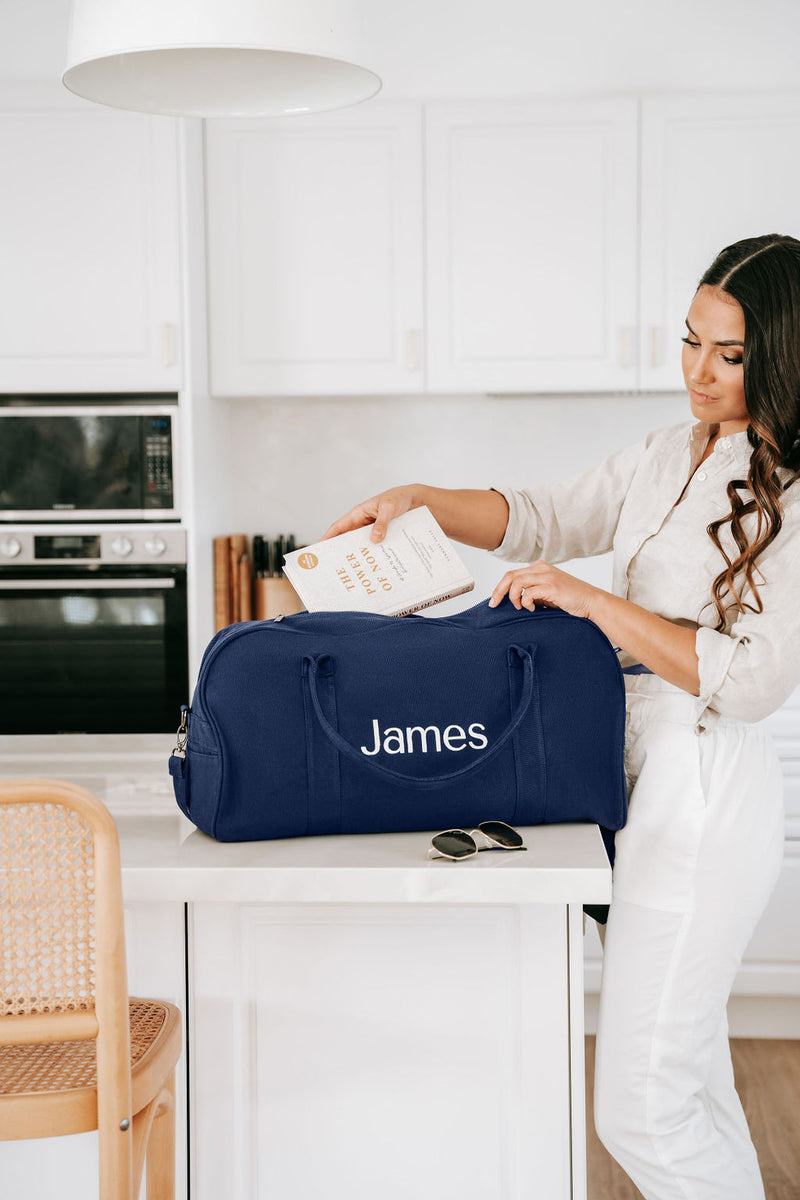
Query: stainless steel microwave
(89, 461)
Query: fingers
(503, 588)
(377, 511)
(520, 587)
(387, 510)
(352, 520)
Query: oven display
(67, 546)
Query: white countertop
(164, 858)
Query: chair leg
(160, 1158)
(142, 1124)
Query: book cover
(414, 567)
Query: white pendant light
(217, 58)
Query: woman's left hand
(539, 583)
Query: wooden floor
(767, 1073)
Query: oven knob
(155, 546)
(10, 547)
(122, 546)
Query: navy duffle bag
(346, 722)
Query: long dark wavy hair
(763, 275)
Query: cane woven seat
(40, 1073)
(76, 1053)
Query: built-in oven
(93, 628)
(89, 458)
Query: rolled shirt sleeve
(664, 561)
(575, 518)
(748, 672)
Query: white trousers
(695, 866)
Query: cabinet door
(315, 253)
(354, 1051)
(531, 246)
(89, 245)
(715, 169)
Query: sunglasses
(456, 844)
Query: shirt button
(701, 474)
(725, 444)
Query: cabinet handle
(625, 345)
(168, 334)
(654, 348)
(412, 350)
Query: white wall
(298, 464)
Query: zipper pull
(183, 732)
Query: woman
(704, 521)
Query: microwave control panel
(158, 483)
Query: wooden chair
(75, 1052)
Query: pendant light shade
(217, 58)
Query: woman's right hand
(380, 509)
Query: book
(414, 567)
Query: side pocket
(177, 769)
(202, 772)
(704, 742)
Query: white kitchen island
(366, 1024)
(362, 1023)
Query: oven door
(92, 650)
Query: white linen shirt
(665, 561)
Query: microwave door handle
(81, 585)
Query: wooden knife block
(271, 597)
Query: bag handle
(344, 747)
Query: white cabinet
(315, 244)
(531, 246)
(89, 245)
(354, 1051)
(771, 963)
(715, 169)
(315, 253)
(563, 239)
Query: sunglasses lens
(455, 842)
(501, 833)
